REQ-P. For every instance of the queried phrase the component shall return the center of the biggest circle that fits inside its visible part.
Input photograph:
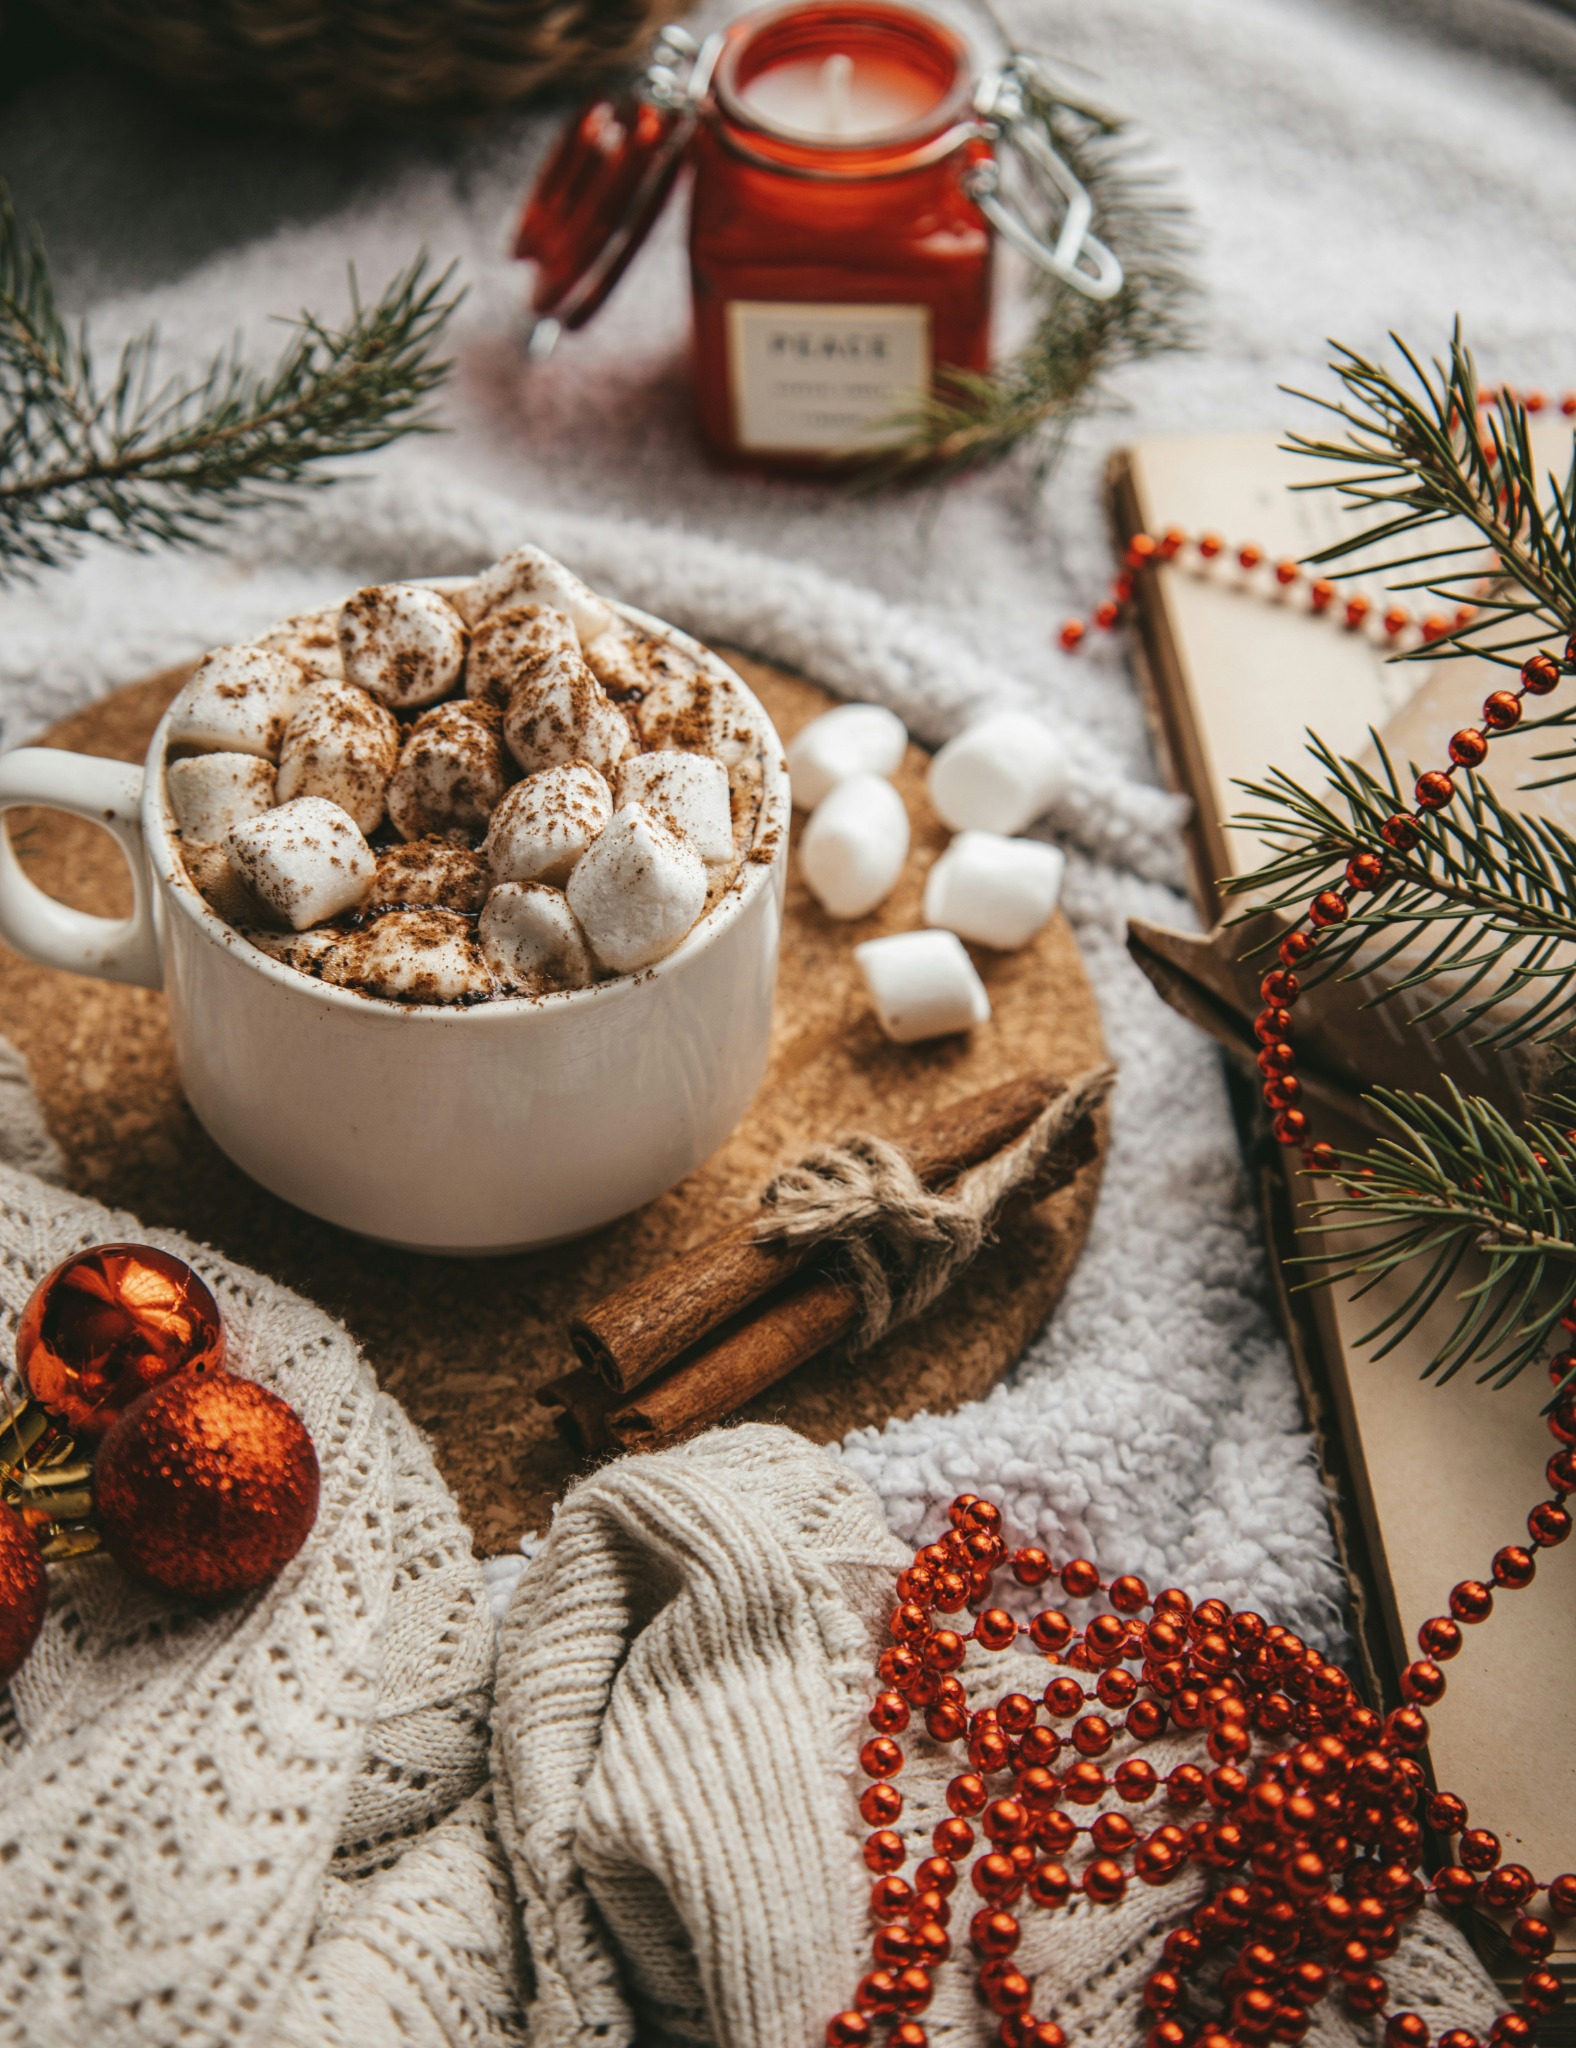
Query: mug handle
(107, 794)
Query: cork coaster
(463, 1344)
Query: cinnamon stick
(634, 1333)
(811, 1315)
(814, 1311)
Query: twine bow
(899, 1243)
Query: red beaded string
(1313, 1846)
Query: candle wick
(837, 77)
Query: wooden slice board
(464, 1344)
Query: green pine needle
(1457, 1177)
(141, 458)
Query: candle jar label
(822, 379)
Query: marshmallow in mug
(993, 890)
(853, 849)
(411, 956)
(239, 701)
(510, 645)
(546, 822)
(922, 985)
(560, 712)
(423, 871)
(997, 775)
(211, 792)
(529, 575)
(689, 793)
(403, 644)
(636, 891)
(343, 744)
(530, 939)
(853, 739)
(452, 772)
(308, 860)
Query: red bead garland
(1308, 1809)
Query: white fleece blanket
(1353, 167)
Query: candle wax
(839, 98)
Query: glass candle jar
(847, 201)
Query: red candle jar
(844, 216)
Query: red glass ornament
(1434, 790)
(24, 1592)
(207, 1485)
(1479, 1849)
(1502, 710)
(109, 1323)
(1468, 748)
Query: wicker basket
(327, 63)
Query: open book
(1428, 1481)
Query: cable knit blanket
(1355, 165)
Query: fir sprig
(1482, 909)
(141, 457)
(1063, 372)
(1458, 1178)
(1419, 452)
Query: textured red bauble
(207, 1485)
(24, 1593)
(109, 1323)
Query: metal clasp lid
(1005, 105)
(606, 180)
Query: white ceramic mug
(513, 1123)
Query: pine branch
(1062, 373)
(1458, 1178)
(1417, 452)
(144, 459)
(1484, 905)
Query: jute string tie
(899, 1243)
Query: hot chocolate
(462, 793)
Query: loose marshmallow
(689, 793)
(341, 744)
(429, 871)
(412, 956)
(853, 849)
(452, 773)
(211, 792)
(995, 891)
(311, 640)
(636, 891)
(922, 984)
(510, 645)
(855, 739)
(307, 860)
(238, 701)
(998, 775)
(404, 644)
(546, 822)
(221, 885)
(530, 576)
(530, 940)
(562, 713)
